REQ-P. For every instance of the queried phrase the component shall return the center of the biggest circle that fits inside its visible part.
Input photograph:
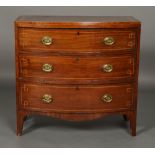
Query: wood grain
(76, 98)
(75, 40)
(80, 68)
(77, 22)
(77, 54)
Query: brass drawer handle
(109, 41)
(107, 98)
(107, 68)
(47, 98)
(47, 68)
(46, 40)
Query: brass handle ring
(47, 68)
(107, 98)
(46, 40)
(107, 68)
(47, 98)
(109, 41)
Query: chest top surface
(77, 21)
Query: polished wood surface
(76, 98)
(78, 21)
(81, 68)
(76, 40)
(77, 81)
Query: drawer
(72, 67)
(74, 98)
(75, 40)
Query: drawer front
(74, 98)
(75, 40)
(71, 67)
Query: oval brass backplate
(107, 98)
(47, 68)
(109, 41)
(107, 68)
(47, 98)
(46, 40)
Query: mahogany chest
(77, 68)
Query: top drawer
(76, 40)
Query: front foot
(132, 118)
(21, 117)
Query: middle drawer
(76, 67)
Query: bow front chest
(77, 68)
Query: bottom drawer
(83, 98)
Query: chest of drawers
(77, 68)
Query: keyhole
(77, 87)
(77, 59)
